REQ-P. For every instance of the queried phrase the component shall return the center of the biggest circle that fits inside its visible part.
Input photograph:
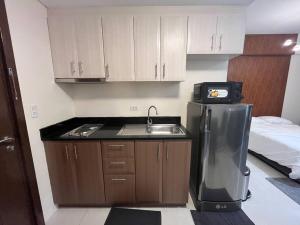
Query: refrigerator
(220, 134)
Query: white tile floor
(268, 205)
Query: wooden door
(148, 157)
(147, 48)
(60, 163)
(230, 34)
(118, 47)
(63, 46)
(264, 81)
(176, 171)
(89, 46)
(15, 199)
(202, 30)
(89, 174)
(173, 48)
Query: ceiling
(263, 16)
(273, 17)
(77, 3)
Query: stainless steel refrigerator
(220, 134)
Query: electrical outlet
(133, 108)
(34, 111)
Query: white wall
(291, 105)
(115, 99)
(29, 32)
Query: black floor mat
(224, 218)
(120, 216)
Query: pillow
(275, 120)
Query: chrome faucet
(149, 120)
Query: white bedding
(278, 142)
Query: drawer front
(118, 149)
(120, 188)
(118, 166)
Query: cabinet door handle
(72, 67)
(118, 179)
(75, 152)
(167, 153)
(80, 68)
(118, 163)
(106, 71)
(67, 152)
(155, 71)
(164, 71)
(116, 146)
(220, 44)
(11, 74)
(212, 42)
(158, 152)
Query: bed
(276, 141)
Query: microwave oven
(218, 92)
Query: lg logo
(218, 206)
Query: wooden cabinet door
(118, 47)
(120, 188)
(202, 30)
(61, 171)
(147, 48)
(148, 157)
(63, 46)
(89, 46)
(231, 34)
(176, 171)
(89, 174)
(173, 48)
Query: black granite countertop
(109, 131)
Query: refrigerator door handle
(208, 119)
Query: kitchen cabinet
(216, 34)
(148, 155)
(173, 48)
(176, 171)
(63, 46)
(60, 165)
(89, 44)
(153, 172)
(147, 48)
(75, 171)
(120, 189)
(77, 46)
(118, 47)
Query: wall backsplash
(171, 98)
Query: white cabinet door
(147, 48)
(202, 30)
(118, 47)
(231, 34)
(89, 46)
(173, 48)
(63, 46)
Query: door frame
(12, 85)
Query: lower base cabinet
(75, 170)
(120, 189)
(154, 172)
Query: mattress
(279, 142)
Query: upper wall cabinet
(147, 48)
(118, 47)
(216, 34)
(173, 48)
(77, 46)
(63, 46)
(89, 46)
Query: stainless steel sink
(154, 129)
